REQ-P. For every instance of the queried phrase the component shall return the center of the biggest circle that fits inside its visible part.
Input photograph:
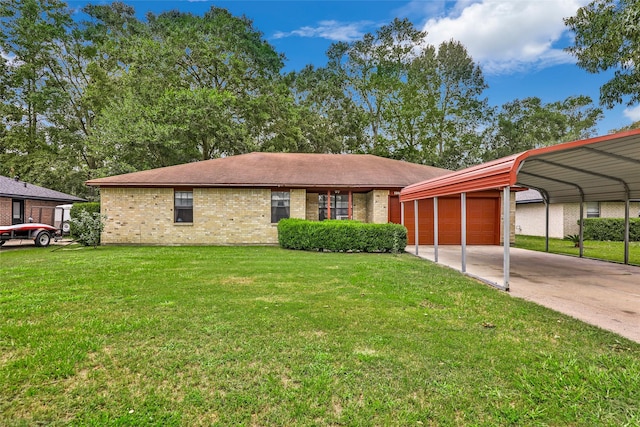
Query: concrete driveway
(597, 292)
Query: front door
(17, 212)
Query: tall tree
(193, 88)
(329, 120)
(439, 111)
(57, 92)
(31, 29)
(373, 69)
(607, 38)
(525, 124)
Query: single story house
(21, 202)
(563, 217)
(240, 199)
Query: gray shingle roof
(12, 188)
(529, 196)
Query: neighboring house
(21, 201)
(563, 217)
(240, 199)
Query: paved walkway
(597, 292)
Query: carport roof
(605, 168)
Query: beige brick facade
(312, 207)
(563, 217)
(360, 207)
(378, 206)
(221, 216)
(512, 218)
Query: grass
(609, 251)
(189, 336)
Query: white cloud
(633, 113)
(506, 35)
(11, 59)
(331, 30)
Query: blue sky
(518, 43)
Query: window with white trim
(593, 209)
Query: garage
(605, 168)
(482, 224)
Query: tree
(412, 101)
(448, 88)
(30, 30)
(328, 119)
(525, 124)
(372, 70)
(192, 88)
(607, 37)
(55, 94)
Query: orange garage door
(483, 219)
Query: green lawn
(610, 251)
(263, 336)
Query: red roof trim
(495, 174)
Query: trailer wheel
(43, 239)
(66, 227)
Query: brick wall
(5, 211)
(530, 219)
(221, 216)
(378, 206)
(563, 217)
(359, 212)
(616, 210)
(312, 213)
(41, 211)
(512, 218)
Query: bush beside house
(341, 236)
(86, 223)
(610, 229)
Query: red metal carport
(605, 168)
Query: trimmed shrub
(341, 236)
(610, 229)
(91, 207)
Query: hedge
(341, 236)
(611, 229)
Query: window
(339, 206)
(183, 206)
(280, 201)
(593, 209)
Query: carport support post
(435, 229)
(463, 230)
(546, 226)
(506, 234)
(415, 216)
(581, 234)
(402, 213)
(626, 231)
